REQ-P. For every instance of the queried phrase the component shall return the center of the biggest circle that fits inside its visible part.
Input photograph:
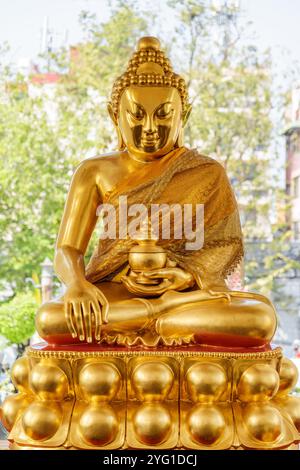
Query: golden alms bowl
(146, 255)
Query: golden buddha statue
(191, 302)
(148, 348)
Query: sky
(276, 23)
(21, 22)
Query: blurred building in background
(292, 134)
(288, 334)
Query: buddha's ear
(114, 118)
(186, 115)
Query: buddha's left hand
(173, 278)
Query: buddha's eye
(137, 112)
(164, 111)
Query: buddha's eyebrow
(138, 105)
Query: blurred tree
(233, 96)
(32, 182)
(44, 134)
(83, 125)
(17, 318)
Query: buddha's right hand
(85, 305)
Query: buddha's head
(149, 103)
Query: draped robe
(181, 177)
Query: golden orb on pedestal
(206, 382)
(264, 422)
(288, 375)
(258, 382)
(12, 407)
(152, 424)
(99, 381)
(41, 421)
(20, 374)
(49, 382)
(206, 424)
(99, 425)
(152, 381)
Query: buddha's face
(150, 119)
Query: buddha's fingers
(141, 289)
(87, 320)
(69, 319)
(170, 263)
(78, 320)
(165, 273)
(104, 306)
(161, 289)
(97, 314)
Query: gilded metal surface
(247, 375)
(99, 413)
(206, 379)
(288, 373)
(264, 355)
(43, 423)
(133, 294)
(152, 399)
(152, 425)
(152, 378)
(263, 426)
(206, 426)
(20, 374)
(98, 425)
(192, 304)
(101, 381)
(13, 407)
(290, 405)
(259, 382)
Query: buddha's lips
(146, 142)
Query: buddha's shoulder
(99, 163)
(207, 160)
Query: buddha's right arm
(77, 224)
(69, 265)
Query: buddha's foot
(127, 398)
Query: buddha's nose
(150, 126)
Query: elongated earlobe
(179, 141)
(186, 115)
(121, 143)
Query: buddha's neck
(146, 158)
